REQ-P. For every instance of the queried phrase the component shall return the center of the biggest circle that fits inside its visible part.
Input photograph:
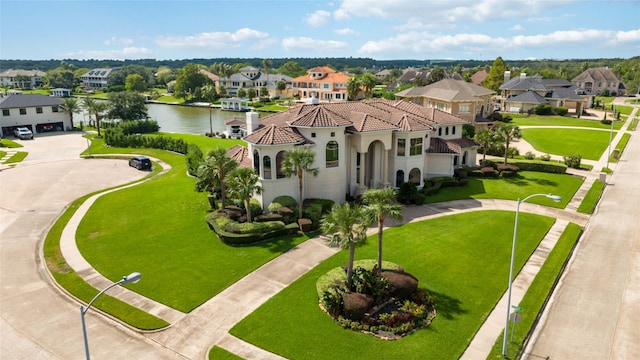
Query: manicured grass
(590, 200)
(524, 184)
(218, 353)
(17, 157)
(74, 284)
(622, 144)
(625, 110)
(536, 120)
(170, 99)
(590, 144)
(465, 271)
(204, 142)
(634, 123)
(2, 154)
(10, 144)
(536, 295)
(165, 217)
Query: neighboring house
(382, 75)
(597, 80)
(524, 93)
(23, 79)
(251, 77)
(457, 97)
(213, 77)
(479, 76)
(61, 92)
(358, 145)
(416, 76)
(96, 79)
(323, 83)
(38, 113)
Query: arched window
(439, 131)
(453, 130)
(446, 130)
(464, 158)
(256, 161)
(414, 176)
(279, 159)
(399, 178)
(332, 154)
(455, 160)
(266, 165)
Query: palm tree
(380, 203)
(209, 93)
(70, 106)
(219, 164)
(296, 162)
(485, 138)
(368, 82)
(353, 87)
(96, 108)
(243, 183)
(348, 225)
(506, 133)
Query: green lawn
(218, 353)
(538, 291)
(622, 144)
(524, 184)
(10, 144)
(465, 270)
(535, 120)
(590, 144)
(165, 217)
(17, 157)
(590, 200)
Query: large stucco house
(358, 145)
(457, 97)
(597, 80)
(23, 79)
(251, 77)
(323, 83)
(524, 93)
(37, 112)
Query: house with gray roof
(524, 93)
(457, 97)
(251, 77)
(96, 79)
(37, 112)
(596, 80)
(358, 145)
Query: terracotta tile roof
(240, 154)
(235, 121)
(275, 135)
(453, 146)
(356, 116)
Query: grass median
(590, 144)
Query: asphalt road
(38, 321)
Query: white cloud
(309, 44)
(214, 40)
(318, 18)
(516, 27)
(114, 40)
(341, 14)
(346, 31)
(124, 53)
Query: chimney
(523, 75)
(253, 121)
(507, 75)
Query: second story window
(54, 109)
(416, 146)
(23, 111)
(332, 154)
(401, 147)
(38, 110)
(6, 112)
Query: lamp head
(555, 198)
(134, 277)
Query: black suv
(140, 163)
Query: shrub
(554, 168)
(368, 282)
(194, 158)
(573, 161)
(606, 121)
(545, 157)
(332, 300)
(356, 305)
(508, 174)
(407, 193)
(529, 155)
(234, 233)
(543, 110)
(562, 111)
(313, 212)
(282, 201)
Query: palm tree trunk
(380, 224)
(223, 190)
(352, 253)
(247, 204)
(98, 124)
(299, 193)
(506, 151)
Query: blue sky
(382, 29)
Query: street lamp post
(131, 278)
(555, 198)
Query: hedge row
(230, 238)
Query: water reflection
(182, 119)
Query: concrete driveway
(37, 320)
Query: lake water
(183, 119)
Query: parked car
(23, 133)
(140, 162)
